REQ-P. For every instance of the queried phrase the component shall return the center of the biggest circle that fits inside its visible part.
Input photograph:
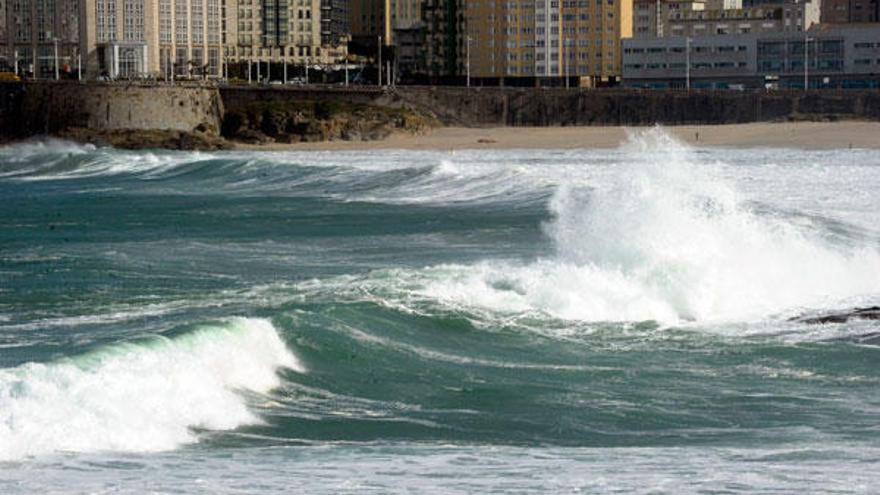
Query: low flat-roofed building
(850, 11)
(653, 18)
(837, 56)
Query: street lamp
(467, 52)
(55, 41)
(687, 63)
(807, 41)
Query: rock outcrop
(296, 120)
(870, 313)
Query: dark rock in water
(146, 139)
(869, 339)
(871, 313)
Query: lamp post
(807, 41)
(379, 65)
(467, 52)
(687, 63)
(55, 41)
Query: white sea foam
(682, 235)
(141, 396)
(661, 237)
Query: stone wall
(48, 108)
(560, 107)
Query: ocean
(625, 320)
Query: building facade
(446, 50)
(547, 38)
(835, 56)
(653, 18)
(284, 31)
(189, 36)
(850, 11)
(40, 37)
(5, 61)
(374, 18)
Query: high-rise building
(39, 36)
(445, 37)
(5, 61)
(166, 38)
(335, 22)
(291, 31)
(546, 38)
(373, 18)
(163, 38)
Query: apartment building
(161, 38)
(370, 19)
(284, 31)
(190, 37)
(41, 37)
(5, 60)
(837, 56)
(653, 18)
(445, 37)
(542, 39)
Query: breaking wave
(145, 396)
(666, 239)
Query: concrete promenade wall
(46, 107)
(560, 107)
(583, 107)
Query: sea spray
(142, 396)
(671, 225)
(664, 237)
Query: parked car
(9, 77)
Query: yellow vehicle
(9, 77)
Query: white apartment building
(280, 31)
(196, 38)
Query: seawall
(51, 108)
(560, 107)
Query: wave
(373, 177)
(145, 396)
(665, 237)
(680, 233)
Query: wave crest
(140, 396)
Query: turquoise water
(398, 321)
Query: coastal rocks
(870, 313)
(292, 121)
(146, 139)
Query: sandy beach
(847, 134)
